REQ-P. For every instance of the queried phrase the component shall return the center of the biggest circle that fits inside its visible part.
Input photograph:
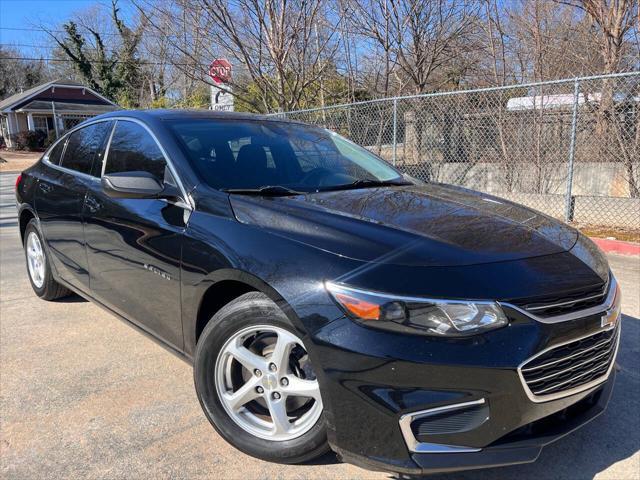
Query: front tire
(39, 267)
(256, 385)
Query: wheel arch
(24, 217)
(229, 284)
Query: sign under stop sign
(221, 96)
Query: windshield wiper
(364, 183)
(268, 190)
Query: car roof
(174, 114)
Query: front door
(134, 245)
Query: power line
(30, 45)
(25, 29)
(80, 27)
(137, 62)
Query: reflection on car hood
(432, 225)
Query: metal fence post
(395, 129)
(568, 209)
(55, 119)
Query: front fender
(289, 273)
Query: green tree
(334, 86)
(199, 98)
(114, 74)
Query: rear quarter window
(55, 154)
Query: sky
(18, 15)
(28, 13)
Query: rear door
(60, 199)
(134, 245)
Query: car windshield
(277, 158)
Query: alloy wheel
(266, 384)
(35, 259)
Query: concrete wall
(609, 211)
(587, 210)
(589, 178)
(600, 190)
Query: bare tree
(343, 9)
(17, 76)
(423, 43)
(616, 19)
(156, 80)
(423, 38)
(496, 38)
(372, 20)
(618, 22)
(282, 47)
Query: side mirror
(131, 185)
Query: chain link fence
(569, 148)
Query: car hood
(429, 225)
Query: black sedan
(325, 300)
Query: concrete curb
(617, 246)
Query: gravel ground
(17, 161)
(82, 395)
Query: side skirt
(140, 328)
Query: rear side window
(132, 149)
(56, 153)
(83, 146)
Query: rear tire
(39, 267)
(274, 421)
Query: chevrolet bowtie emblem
(610, 317)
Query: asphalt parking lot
(82, 395)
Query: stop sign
(220, 70)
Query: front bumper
(371, 379)
(522, 446)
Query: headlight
(416, 315)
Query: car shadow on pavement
(71, 298)
(328, 458)
(610, 438)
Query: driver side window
(132, 149)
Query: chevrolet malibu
(324, 299)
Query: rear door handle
(45, 187)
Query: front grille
(572, 365)
(560, 304)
